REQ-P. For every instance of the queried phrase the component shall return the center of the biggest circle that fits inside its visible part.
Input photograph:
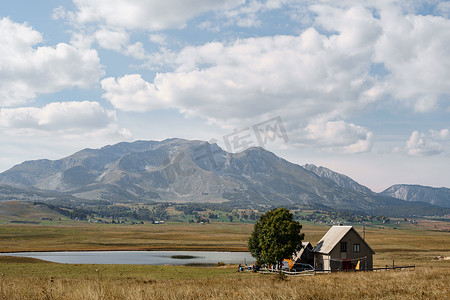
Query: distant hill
(11, 193)
(26, 212)
(436, 196)
(180, 170)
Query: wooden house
(304, 255)
(342, 248)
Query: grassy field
(23, 278)
(32, 279)
(409, 244)
(84, 236)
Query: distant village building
(342, 248)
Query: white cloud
(159, 38)
(443, 134)
(249, 14)
(118, 40)
(111, 39)
(340, 135)
(132, 93)
(416, 51)
(301, 78)
(251, 77)
(56, 130)
(148, 15)
(63, 118)
(325, 73)
(136, 50)
(247, 81)
(433, 143)
(27, 71)
(444, 8)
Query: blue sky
(360, 87)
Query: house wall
(351, 238)
(307, 256)
(321, 262)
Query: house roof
(298, 254)
(334, 236)
(305, 244)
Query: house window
(356, 248)
(343, 246)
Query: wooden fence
(314, 272)
(288, 273)
(394, 268)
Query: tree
(275, 237)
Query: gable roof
(333, 237)
(305, 245)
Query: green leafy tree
(275, 237)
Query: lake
(141, 257)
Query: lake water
(140, 257)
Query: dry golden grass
(424, 283)
(411, 245)
(22, 278)
(84, 236)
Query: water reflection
(141, 257)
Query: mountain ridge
(340, 179)
(179, 170)
(413, 192)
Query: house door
(347, 265)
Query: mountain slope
(26, 212)
(339, 179)
(125, 172)
(195, 171)
(9, 193)
(435, 196)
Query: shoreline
(125, 250)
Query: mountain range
(408, 192)
(178, 170)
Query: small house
(342, 248)
(304, 255)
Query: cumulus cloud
(148, 15)
(443, 134)
(60, 117)
(132, 93)
(112, 39)
(327, 72)
(249, 13)
(249, 80)
(346, 137)
(118, 40)
(443, 8)
(426, 144)
(159, 38)
(251, 77)
(415, 50)
(27, 71)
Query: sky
(360, 87)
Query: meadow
(23, 278)
(38, 280)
